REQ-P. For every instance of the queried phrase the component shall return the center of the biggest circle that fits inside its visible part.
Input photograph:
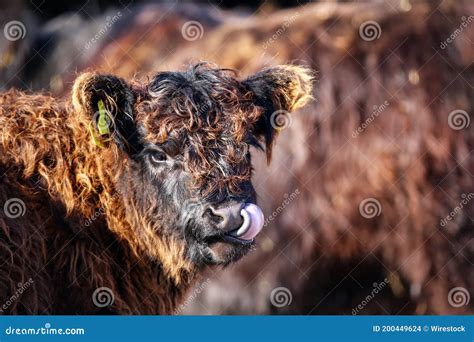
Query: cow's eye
(157, 157)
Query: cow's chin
(219, 252)
(226, 252)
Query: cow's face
(185, 141)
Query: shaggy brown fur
(49, 162)
(136, 246)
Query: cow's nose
(227, 218)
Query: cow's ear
(279, 91)
(107, 101)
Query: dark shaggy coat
(49, 162)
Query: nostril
(227, 218)
(212, 216)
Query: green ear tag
(102, 124)
(95, 138)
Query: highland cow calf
(115, 200)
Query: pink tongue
(256, 221)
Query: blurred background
(369, 196)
